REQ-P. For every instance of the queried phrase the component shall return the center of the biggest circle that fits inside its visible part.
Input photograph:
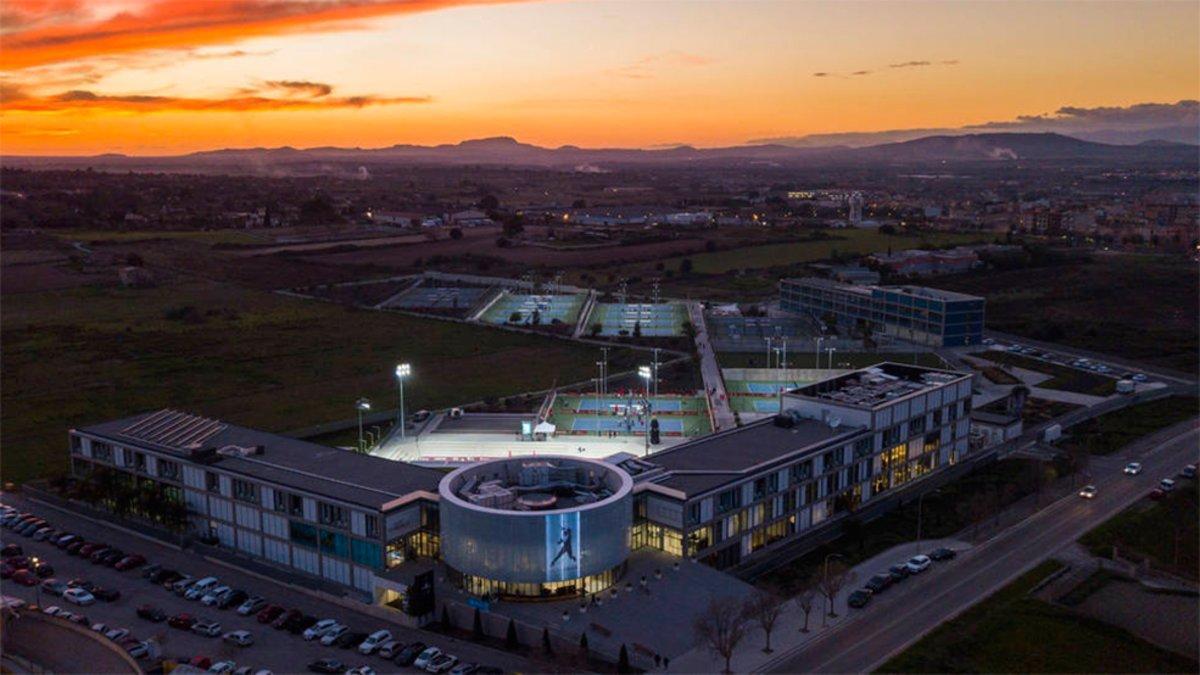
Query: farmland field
(80, 356)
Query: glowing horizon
(156, 77)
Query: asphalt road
(280, 651)
(899, 618)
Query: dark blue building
(918, 314)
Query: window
(303, 535)
(862, 447)
(335, 543)
(281, 501)
(773, 483)
(139, 462)
(296, 506)
(802, 471)
(366, 553)
(916, 426)
(760, 488)
(371, 523)
(102, 451)
(892, 436)
(76, 445)
(168, 469)
(245, 491)
(693, 513)
(729, 500)
(212, 481)
(937, 417)
(329, 514)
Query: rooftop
(533, 484)
(280, 460)
(870, 289)
(878, 385)
(712, 461)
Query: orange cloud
(41, 32)
(15, 99)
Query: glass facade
(915, 314)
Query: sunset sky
(171, 76)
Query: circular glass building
(536, 527)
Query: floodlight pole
(819, 341)
(403, 370)
(362, 405)
(831, 350)
(768, 352)
(644, 372)
(784, 364)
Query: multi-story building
(330, 513)
(918, 314)
(839, 444)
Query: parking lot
(273, 649)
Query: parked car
(441, 663)
(183, 621)
(859, 599)
(141, 650)
(879, 583)
(241, 638)
(251, 605)
(79, 596)
(42, 534)
(115, 634)
(1133, 468)
(7, 571)
(149, 571)
(1088, 492)
(390, 648)
(1157, 494)
(350, 640)
(361, 670)
(282, 620)
(201, 588)
(300, 625)
(67, 539)
(212, 597)
(200, 661)
(206, 628)
(327, 666)
(898, 572)
(106, 594)
(320, 628)
(25, 578)
(942, 554)
(222, 667)
(1188, 471)
(373, 641)
(918, 564)
(151, 613)
(180, 585)
(333, 634)
(464, 669)
(231, 599)
(54, 586)
(1166, 484)
(81, 583)
(43, 570)
(129, 562)
(269, 613)
(426, 657)
(10, 550)
(409, 653)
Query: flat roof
(706, 463)
(878, 385)
(868, 289)
(483, 423)
(344, 475)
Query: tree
(583, 645)
(510, 638)
(685, 266)
(720, 628)
(637, 329)
(477, 626)
(623, 661)
(489, 202)
(456, 233)
(446, 623)
(805, 597)
(764, 607)
(834, 578)
(546, 646)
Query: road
(710, 370)
(898, 619)
(1167, 374)
(280, 651)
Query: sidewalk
(787, 634)
(710, 370)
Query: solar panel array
(174, 429)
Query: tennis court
(439, 297)
(625, 425)
(677, 415)
(664, 319)
(527, 310)
(762, 388)
(592, 404)
(737, 333)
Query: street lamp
(831, 350)
(362, 406)
(403, 370)
(644, 373)
(33, 562)
(819, 341)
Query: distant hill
(505, 151)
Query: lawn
(1011, 632)
(1112, 431)
(228, 236)
(842, 242)
(1165, 533)
(1139, 307)
(85, 355)
(850, 359)
(1064, 378)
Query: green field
(1064, 378)
(86, 355)
(1112, 431)
(1011, 632)
(228, 236)
(849, 241)
(1166, 533)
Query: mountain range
(987, 148)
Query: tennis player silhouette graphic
(564, 546)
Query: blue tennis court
(664, 319)
(624, 425)
(770, 388)
(447, 297)
(524, 309)
(593, 404)
(766, 405)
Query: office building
(917, 314)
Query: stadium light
(403, 370)
(362, 405)
(644, 373)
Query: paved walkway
(710, 370)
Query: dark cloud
(313, 89)
(821, 74)
(861, 72)
(910, 64)
(16, 98)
